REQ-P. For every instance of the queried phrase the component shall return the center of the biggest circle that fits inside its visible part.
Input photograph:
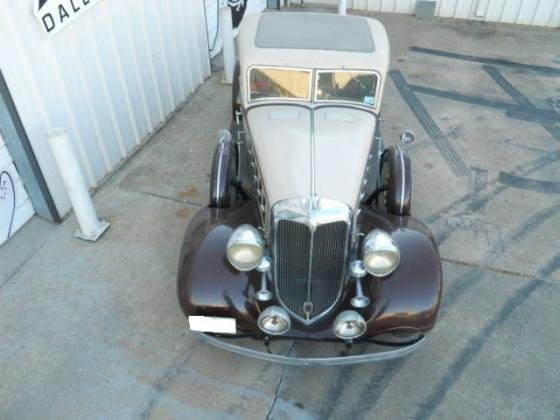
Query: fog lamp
(274, 320)
(381, 254)
(245, 248)
(349, 325)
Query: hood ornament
(311, 203)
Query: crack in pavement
(160, 196)
(279, 385)
(19, 267)
(165, 382)
(499, 270)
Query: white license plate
(212, 324)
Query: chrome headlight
(349, 325)
(381, 254)
(245, 248)
(274, 320)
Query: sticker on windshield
(369, 100)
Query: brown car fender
(207, 284)
(409, 298)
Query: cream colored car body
(310, 148)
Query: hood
(281, 136)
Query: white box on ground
(212, 324)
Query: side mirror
(407, 136)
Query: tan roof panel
(313, 31)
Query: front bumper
(394, 353)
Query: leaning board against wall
(239, 8)
(15, 206)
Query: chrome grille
(309, 261)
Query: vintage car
(308, 233)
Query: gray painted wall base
(425, 9)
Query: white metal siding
(526, 12)
(253, 6)
(110, 78)
(11, 217)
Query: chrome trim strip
(219, 174)
(258, 181)
(312, 128)
(403, 179)
(349, 105)
(313, 105)
(314, 361)
(309, 274)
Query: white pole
(226, 27)
(90, 227)
(341, 7)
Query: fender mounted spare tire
(396, 176)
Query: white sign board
(56, 14)
(15, 205)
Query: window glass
(347, 85)
(279, 83)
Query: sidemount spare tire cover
(396, 175)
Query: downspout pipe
(226, 28)
(91, 228)
(342, 5)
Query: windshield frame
(312, 92)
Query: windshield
(354, 86)
(280, 83)
(347, 86)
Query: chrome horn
(264, 266)
(358, 271)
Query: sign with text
(56, 14)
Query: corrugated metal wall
(110, 78)
(526, 12)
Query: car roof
(312, 31)
(313, 40)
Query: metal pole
(341, 7)
(90, 227)
(226, 27)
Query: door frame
(24, 158)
